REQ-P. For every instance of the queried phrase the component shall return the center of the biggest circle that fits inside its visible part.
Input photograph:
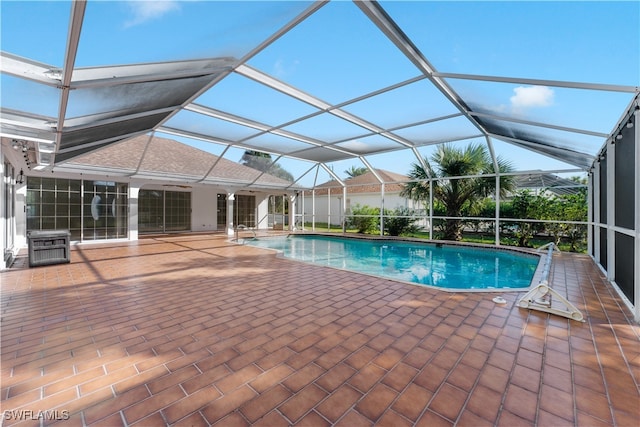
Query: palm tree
(263, 162)
(457, 196)
(353, 171)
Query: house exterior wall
(331, 207)
(203, 205)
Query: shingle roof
(366, 183)
(172, 158)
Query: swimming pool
(452, 267)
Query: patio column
(134, 191)
(231, 197)
(292, 212)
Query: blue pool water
(445, 266)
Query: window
(164, 211)
(98, 212)
(245, 209)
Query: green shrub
(365, 219)
(400, 221)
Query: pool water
(444, 266)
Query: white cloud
(148, 10)
(532, 96)
(281, 69)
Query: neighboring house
(361, 190)
(140, 185)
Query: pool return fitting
(544, 298)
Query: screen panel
(625, 256)
(603, 247)
(603, 190)
(625, 188)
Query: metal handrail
(244, 227)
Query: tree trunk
(453, 230)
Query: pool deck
(194, 330)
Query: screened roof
(320, 86)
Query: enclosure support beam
(636, 279)
(382, 209)
(344, 209)
(590, 221)
(496, 170)
(596, 212)
(611, 213)
(431, 209)
(497, 210)
(313, 210)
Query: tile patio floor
(193, 330)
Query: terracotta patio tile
(302, 402)
(338, 403)
(353, 419)
(183, 408)
(448, 401)
(298, 360)
(412, 401)
(392, 419)
(528, 379)
(234, 419)
(335, 377)
(152, 404)
(219, 408)
(272, 419)
(548, 419)
(400, 376)
(508, 419)
(521, 402)
(301, 340)
(264, 403)
(587, 420)
(115, 420)
(431, 419)
(463, 377)
(494, 378)
(557, 402)
(195, 419)
(485, 403)
(374, 403)
(238, 378)
(468, 418)
(312, 419)
(475, 358)
(102, 410)
(302, 377)
(431, 377)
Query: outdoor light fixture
(18, 145)
(630, 124)
(20, 179)
(619, 137)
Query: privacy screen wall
(616, 238)
(625, 192)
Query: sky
(338, 55)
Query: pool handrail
(244, 227)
